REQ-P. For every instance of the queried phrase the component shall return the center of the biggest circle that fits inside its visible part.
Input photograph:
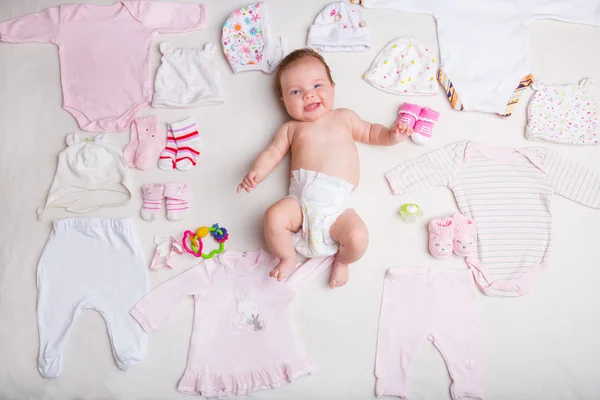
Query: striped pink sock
(167, 157)
(188, 143)
(177, 195)
(152, 194)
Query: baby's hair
(295, 56)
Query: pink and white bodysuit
(243, 337)
(104, 53)
(508, 193)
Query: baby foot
(339, 274)
(283, 269)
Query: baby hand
(250, 181)
(400, 131)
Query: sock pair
(145, 143)
(457, 233)
(183, 146)
(421, 119)
(177, 195)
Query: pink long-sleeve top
(104, 53)
(243, 336)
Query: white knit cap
(404, 67)
(187, 77)
(90, 174)
(339, 27)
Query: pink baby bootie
(424, 125)
(441, 233)
(152, 193)
(465, 235)
(409, 114)
(177, 195)
(151, 141)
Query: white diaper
(322, 198)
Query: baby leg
(351, 233)
(282, 220)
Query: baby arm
(377, 134)
(267, 160)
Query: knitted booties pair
(457, 233)
(421, 119)
(177, 195)
(145, 143)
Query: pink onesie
(104, 53)
(243, 337)
(508, 192)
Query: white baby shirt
(484, 45)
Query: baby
(314, 219)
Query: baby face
(306, 90)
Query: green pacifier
(410, 212)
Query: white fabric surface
(540, 346)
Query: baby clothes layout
(90, 174)
(94, 263)
(487, 72)
(507, 192)
(243, 338)
(187, 77)
(104, 53)
(433, 304)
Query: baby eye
(295, 92)
(318, 85)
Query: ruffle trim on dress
(205, 383)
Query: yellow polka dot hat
(404, 67)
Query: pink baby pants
(428, 303)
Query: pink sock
(152, 193)
(177, 195)
(151, 141)
(441, 233)
(130, 149)
(424, 125)
(408, 114)
(188, 143)
(465, 235)
(167, 157)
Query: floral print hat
(563, 113)
(246, 41)
(339, 27)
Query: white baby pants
(90, 263)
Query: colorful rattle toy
(409, 212)
(218, 233)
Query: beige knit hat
(90, 175)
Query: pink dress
(243, 337)
(104, 53)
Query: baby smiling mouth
(312, 107)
